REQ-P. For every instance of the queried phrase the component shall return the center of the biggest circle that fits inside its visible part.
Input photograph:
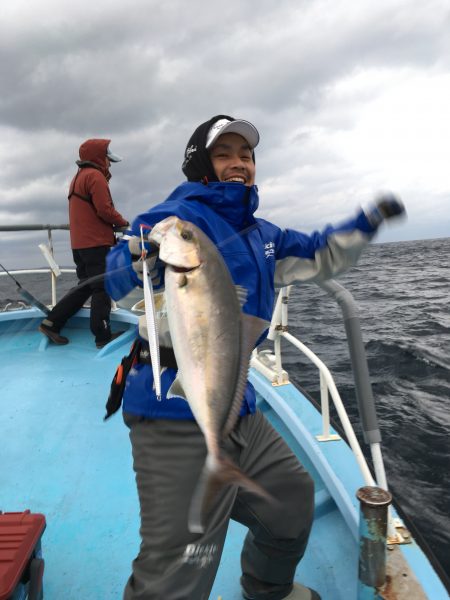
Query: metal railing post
(278, 363)
(277, 326)
(285, 293)
(373, 519)
(52, 275)
(324, 406)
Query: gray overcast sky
(350, 97)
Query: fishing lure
(150, 318)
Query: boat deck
(61, 459)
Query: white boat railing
(270, 365)
(279, 329)
(47, 251)
(47, 271)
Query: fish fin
(252, 329)
(176, 389)
(242, 294)
(213, 478)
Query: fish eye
(186, 235)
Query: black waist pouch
(114, 401)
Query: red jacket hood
(94, 151)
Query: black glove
(386, 206)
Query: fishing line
(237, 234)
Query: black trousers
(174, 564)
(91, 265)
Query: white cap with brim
(112, 157)
(243, 128)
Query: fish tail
(217, 474)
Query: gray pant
(174, 564)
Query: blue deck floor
(59, 458)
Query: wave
(410, 358)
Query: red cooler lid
(19, 534)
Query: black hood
(197, 165)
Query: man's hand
(386, 206)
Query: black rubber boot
(53, 335)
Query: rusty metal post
(374, 503)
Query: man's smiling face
(232, 159)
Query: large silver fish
(212, 340)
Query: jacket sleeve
(321, 255)
(102, 200)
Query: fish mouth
(177, 269)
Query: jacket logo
(269, 249)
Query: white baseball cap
(243, 128)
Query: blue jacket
(258, 254)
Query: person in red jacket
(92, 218)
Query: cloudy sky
(350, 97)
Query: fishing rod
(26, 294)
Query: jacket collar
(234, 202)
(84, 164)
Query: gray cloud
(146, 73)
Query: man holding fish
(202, 452)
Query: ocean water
(402, 291)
